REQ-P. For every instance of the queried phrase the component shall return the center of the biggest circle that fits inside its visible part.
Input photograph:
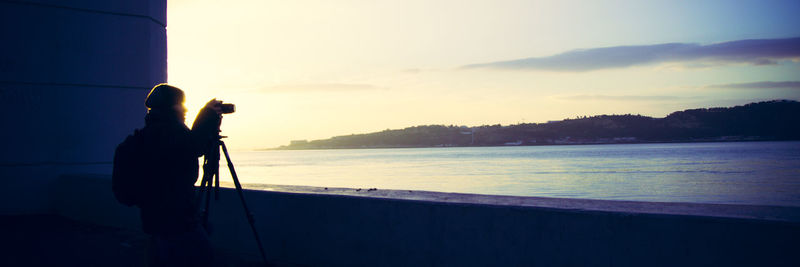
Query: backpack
(129, 163)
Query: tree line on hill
(771, 120)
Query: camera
(227, 108)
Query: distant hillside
(772, 120)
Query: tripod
(211, 173)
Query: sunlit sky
(318, 69)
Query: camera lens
(228, 108)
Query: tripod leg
(216, 184)
(244, 204)
(207, 209)
(203, 194)
(210, 171)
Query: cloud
(320, 87)
(754, 52)
(759, 85)
(620, 98)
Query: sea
(753, 173)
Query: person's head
(165, 98)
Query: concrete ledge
(344, 227)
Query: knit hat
(164, 96)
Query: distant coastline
(763, 121)
(716, 140)
(746, 139)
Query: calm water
(766, 173)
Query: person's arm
(206, 125)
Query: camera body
(227, 108)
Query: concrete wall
(73, 78)
(349, 228)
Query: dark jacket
(172, 169)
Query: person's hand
(214, 105)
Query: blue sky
(317, 69)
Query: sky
(307, 70)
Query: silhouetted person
(169, 212)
